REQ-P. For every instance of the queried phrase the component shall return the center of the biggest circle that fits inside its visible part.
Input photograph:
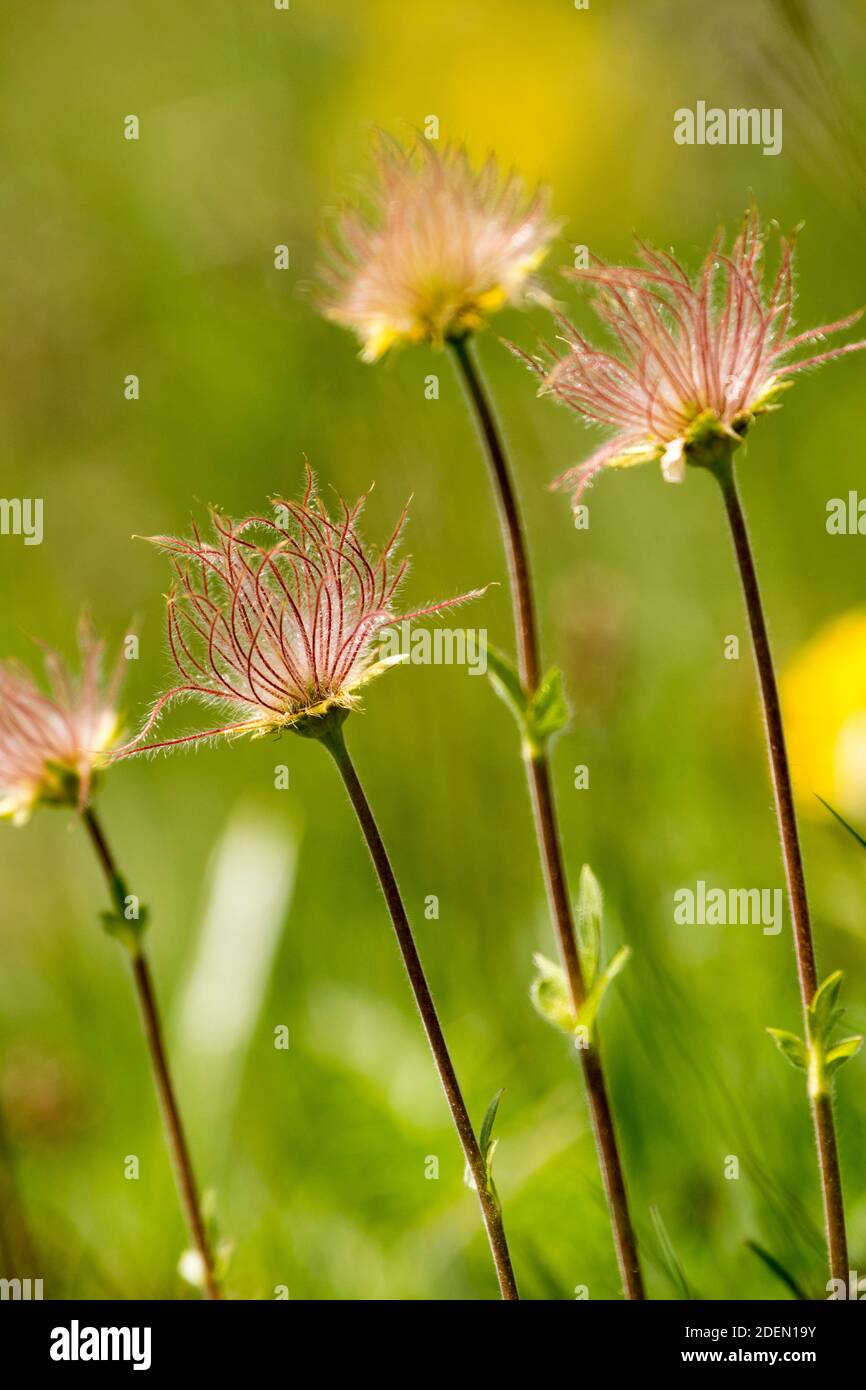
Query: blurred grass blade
(795, 14)
(361, 1035)
(670, 1259)
(842, 821)
(778, 1269)
(250, 882)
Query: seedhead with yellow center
(53, 742)
(434, 251)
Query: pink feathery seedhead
(697, 361)
(276, 619)
(437, 248)
(51, 743)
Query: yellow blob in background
(823, 692)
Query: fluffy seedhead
(275, 620)
(696, 360)
(434, 248)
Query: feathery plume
(52, 742)
(436, 249)
(698, 359)
(275, 620)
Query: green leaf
(778, 1269)
(538, 717)
(821, 1057)
(792, 1048)
(824, 1012)
(548, 710)
(127, 930)
(842, 821)
(589, 910)
(487, 1144)
(842, 1052)
(505, 680)
(670, 1259)
(487, 1124)
(550, 995)
(592, 1005)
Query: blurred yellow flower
(823, 691)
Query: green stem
(174, 1132)
(335, 743)
(822, 1104)
(547, 832)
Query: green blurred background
(156, 258)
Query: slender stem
(174, 1132)
(822, 1104)
(593, 1071)
(491, 1214)
(511, 525)
(549, 843)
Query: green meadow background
(155, 257)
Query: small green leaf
(824, 1012)
(487, 1144)
(589, 910)
(487, 1124)
(127, 930)
(538, 717)
(820, 1056)
(792, 1048)
(550, 995)
(592, 1005)
(506, 682)
(548, 710)
(842, 1052)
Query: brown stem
(528, 647)
(822, 1105)
(491, 1214)
(593, 1071)
(174, 1132)
(538, 773)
